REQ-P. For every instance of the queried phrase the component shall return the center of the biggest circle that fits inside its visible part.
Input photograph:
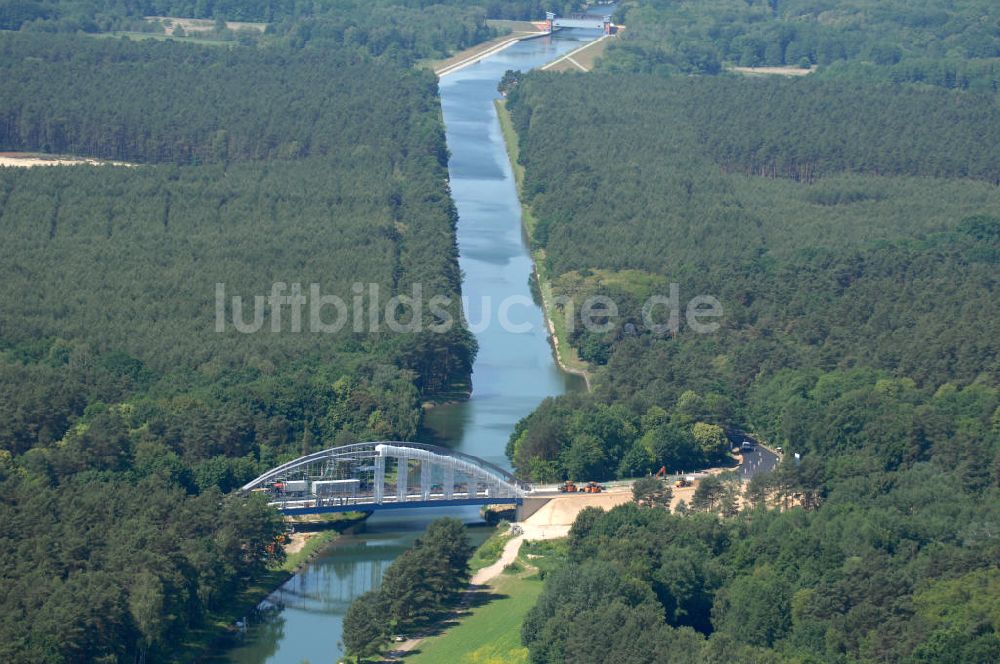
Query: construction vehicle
(682, 482)
(593, 487)
(661, 473)
(567, 487)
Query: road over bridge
(385, 475)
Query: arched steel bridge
(386, 475)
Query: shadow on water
(444, 424)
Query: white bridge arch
(386, 475)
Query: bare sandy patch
(556, 517)
(552, 521)
(297, 541)
(772, 71)
(27, 160)
(170, 24)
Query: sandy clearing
(552, 521)
(555, 517)
(25, 160)
(772, 71)
(170, 23)
(297, 542)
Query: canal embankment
(565, 355)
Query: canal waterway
(514, 370)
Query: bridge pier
(379, 479)
(449, 482)
(402, 477)
(425, 480)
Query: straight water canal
(513, 373)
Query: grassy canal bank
(512, 32)
(491, 630)
(566, 355)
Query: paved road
(760, 460)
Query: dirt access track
(554, 519)
(581, 59)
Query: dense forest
(850, 229)
(127, 413)
(100, 15)
(156, 102)
(842, 263)
(389, 29)
(702, 36)
(975, 74)
(894, 567)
